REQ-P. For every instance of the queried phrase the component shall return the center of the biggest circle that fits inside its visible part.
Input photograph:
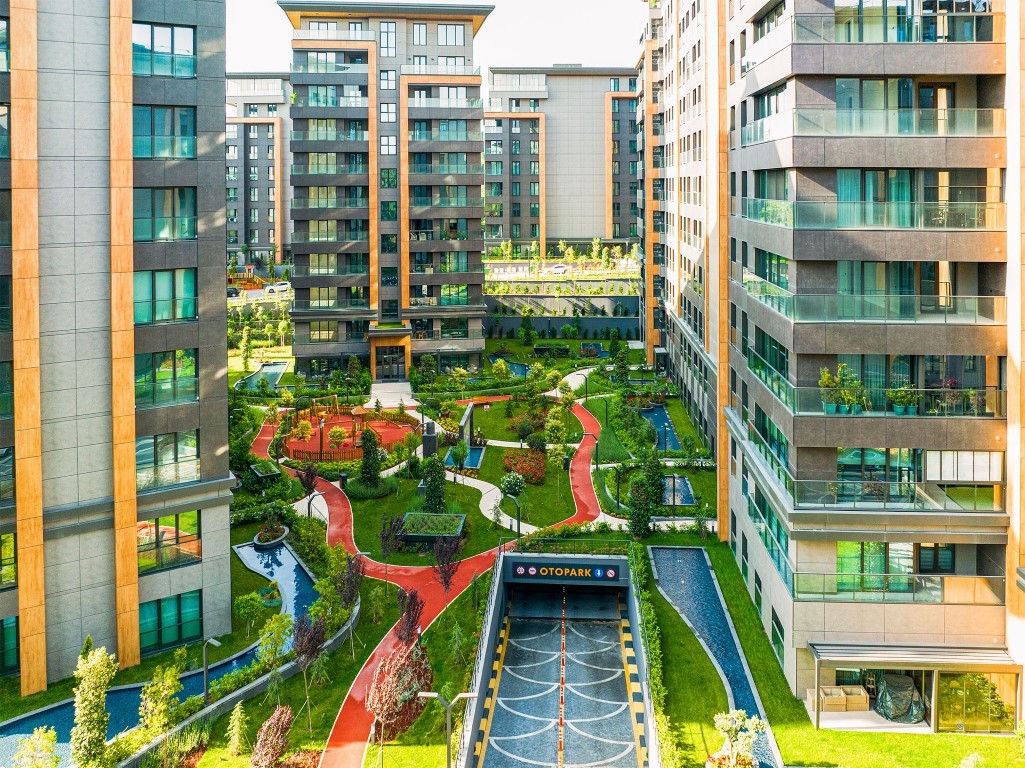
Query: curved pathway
(348, 740)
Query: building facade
(114, 470)
(259, 195)
(561, 156)
(856, 294)
(387, 186)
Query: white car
(279, 287)
(557, 269)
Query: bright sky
(517, 33)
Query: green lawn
(521, 353)
(702, 482)
(368, 517)
(610, 449)
(423, 745)
(540, 505)
(496, 425)
(242, 581)
(327, 700)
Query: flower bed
(529, 464)
(425, 528)
(271, 534)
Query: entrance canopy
(959, 658)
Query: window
(451, 34)
(388, 145)
(419, 34)
(535, 189)
(515, 148)
(170, 541)
(166, 460)
(769, 20)
(777, 637)
(387, 38)
(231, 174)
(389, 178)
(388, 113)
(170, 621)
(516, 228)
(455, 328)
(420, 62)
(389, 243)
(388, 80)
(232, 236)
(254, 194)
(614, 84)
(9, 637)
(514, 210)
(494, 168)
(254, 110)
(535, 230)
(165, 378)
(515, 189)
(535, 147)
(165, 213)
(514, 168)
(270, 156)
(615, 105)
(454, 295)
(936, 558)
(254, 131)
(389, 276)
(231, 131)
(495, 147)
(8, 561)
(535, 167)
(758, 593)
(389, 210)
(535, 209)
(163, 51)
(161, 132)
(743, 556)
(615, 147)
(272, 111)
(615, 167)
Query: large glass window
(8, 561)
(777, 637)
(165, 296)
(9, 646)
(454, 295)
(974, 702)
(163, 51)
(419, 34)
(165, 378)
(170, 621)
(451, 34)
(5, 50)
(163, 132)
(5, 130)
(166, 460)
(387, 38)
(165, 213)
(169, 542)
(6, 390)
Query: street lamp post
(517, 503)
(309, 502)
(206, 669)
(448, 718)
(321, 439)
(665, 440)
(618, 476)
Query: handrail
(945, 589)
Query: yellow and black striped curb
(484, 729)
(633, 685)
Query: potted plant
(827, 391)
(897, 398)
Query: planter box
(430, 538)
(832, 699)
(856, 697)
(263, 546)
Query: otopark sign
(556, 571)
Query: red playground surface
(390, 433)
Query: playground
(326, 414)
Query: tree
(595, 253)
(621, 370)
(87, 647)
(457, 642)
(460, 452)
(308, 643)
(427, 369)
(38, 750)
(527, 333)
(390, 535)
(512, 484)
(641, 506)
(303, 430)
(350, 580)
(446, 560)
(307, 477)
(651, 474)
(337, 436)
(555, 435)
(275, 635)
(157, 698)
(392, 697)
(434, 485)
(353, 367)
(268, 331)
(247, 609)
(377, 604)
(272, 739)
(94, 672)
(238, 725)
(370, 466)
(500, 371)
(284, 328)
(412, 607)
(740, 732)
(566, 396)
(460, 378)
(246, 348)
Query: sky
(588, 32)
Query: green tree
(303, 430)
(370, 467)
(621, 370)
(353, 368)
(566, 396)
(641, 507)
(38, 750)
(284, 328)
(434, 485)
(238, 725)
(527, 333)
(337, 436)
(269, 329)
(500, 370)
(427, 369)
(460, 378)
(276, 633)
(89, 736)
(247, 609)
(157, 698)
(460, 452)
(246, 348)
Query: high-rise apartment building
(256, 145)
(114, 487)
(847, 294)
(387, 185)
(560, 156)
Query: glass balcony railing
(453, 103)
(446, 168)
(330, 101)
(444, 234)
(836, 214)
(355, 35)
(156, 394)
(321, 305)
(985, 403)
(444, 301)
(330, 170)
(876, 308)
(338, 270)
(876, 122)
(330, 135)
(161, 147)
(336, 338)
(899, 27)
(453, 335)
(153, 558)
(445, 269)
(415, 135)
(438, 69)
(165, 228)
(771, 378)
(148, 312)
(777, 553)
(5, 60)
(329, 68)
(300, 204)
(148, 478)
(152, 64)
(441, 202)
(330, 237)
(899, 588)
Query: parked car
(233, 292)
(557, 269)
(279, 287)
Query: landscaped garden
(516, 419)
(541, 504)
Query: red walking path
(351, 730)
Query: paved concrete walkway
(390, 392)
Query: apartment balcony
(467, 207)
(155, 477)
(446, 303)
(431, 240)
(329, 307)
(328, 345)
(455, 141)
(437, 173)
(471, 340)
(956, 402)
(462, 273)
(329, 141)
(346, 174)
(338, 238)
(339, 270)
(157, 394)
(445, 107)
(836, 214)
(347, 35)
(442, 70)
(327, 107)
(918, 588)
(898, 28)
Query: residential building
(113, 419)
(256, 146)
(388, 185)
(863, 334)
(560, 156)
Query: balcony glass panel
(945, 403)
(895, 26)
(330, 101)
(875, 122)
(900, 588)
(836, 214)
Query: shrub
(434, 485)
(370, 467)
(512, 484)
(537, 441)
(272, 740)
(528, 464)
(357, 489)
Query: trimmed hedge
(355, 489)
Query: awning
(960, 658)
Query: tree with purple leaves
(412, 607)
(446, 560)
(308, 644)
(272, 739)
